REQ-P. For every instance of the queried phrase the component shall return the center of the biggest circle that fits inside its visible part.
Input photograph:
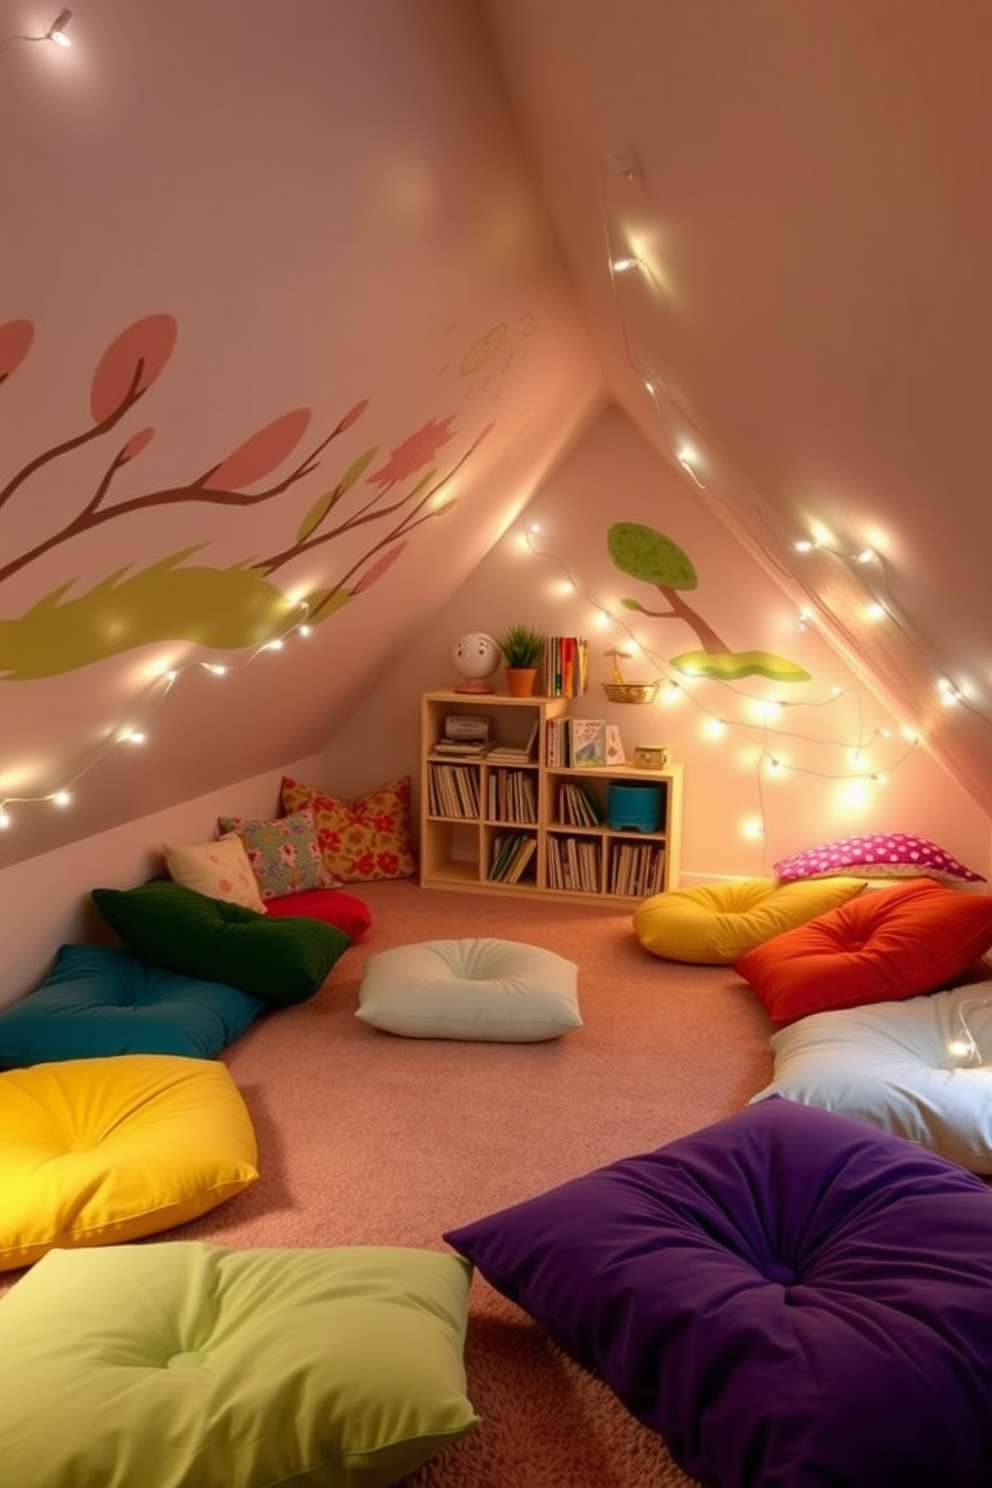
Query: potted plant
(522, 646)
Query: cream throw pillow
(220, 870)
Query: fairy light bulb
(963, 1046)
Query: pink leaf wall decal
(15, 343)
(131, 364)
(377, 570)
(260, 454)
(136, 444)
(352, 415)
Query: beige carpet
(366, 1138)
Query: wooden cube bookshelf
(525, 822)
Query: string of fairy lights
(867, 564)
(626, 259)
(765, 710)
(134, 731)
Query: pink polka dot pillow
(877, 855)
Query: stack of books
(517, 754)
(566, 666)
(510, 857)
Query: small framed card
(614, 746)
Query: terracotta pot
(520, 681)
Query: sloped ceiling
(806, 188)
(316, 296)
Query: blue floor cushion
(181, 1363)
(102, 1000)
(788, 1297)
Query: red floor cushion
(879, 947)
(333, 906)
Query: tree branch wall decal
(646, 554)
(234, 606)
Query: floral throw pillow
(363, 839)
(284, 853)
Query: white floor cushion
(496, 990)
(889, 1064)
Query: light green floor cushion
(94, 1151)
(186, 1365)
(714, 924)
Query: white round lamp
(475, 658)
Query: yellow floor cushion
(94, 1151)
(714, 924)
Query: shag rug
(367, 1138)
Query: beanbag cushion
(714, 924)
(185, 1363)
(334, 906)
(891, 1064)
(878, 855)
(280, 960)
(101, 1000)
(94, 1151)
(880, 947)
(493, 990)
(788, 1296)
(220, 870)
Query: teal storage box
(634, 804)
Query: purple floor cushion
(791, 1299)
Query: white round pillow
(496, 990)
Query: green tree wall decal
(648, 555)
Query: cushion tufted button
(190, 1359)
(779, 1273)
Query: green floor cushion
(714, 924)
(101, 1000)
(281, 960)
(149, 1366)
(95, 1151)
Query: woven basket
(631, 692)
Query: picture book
(587, 740)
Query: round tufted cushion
(714, 924)
(788, 1296)
(94, 1151)
(497, 990)
(890, 1064)
(179, 1363)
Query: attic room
(334, 335)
